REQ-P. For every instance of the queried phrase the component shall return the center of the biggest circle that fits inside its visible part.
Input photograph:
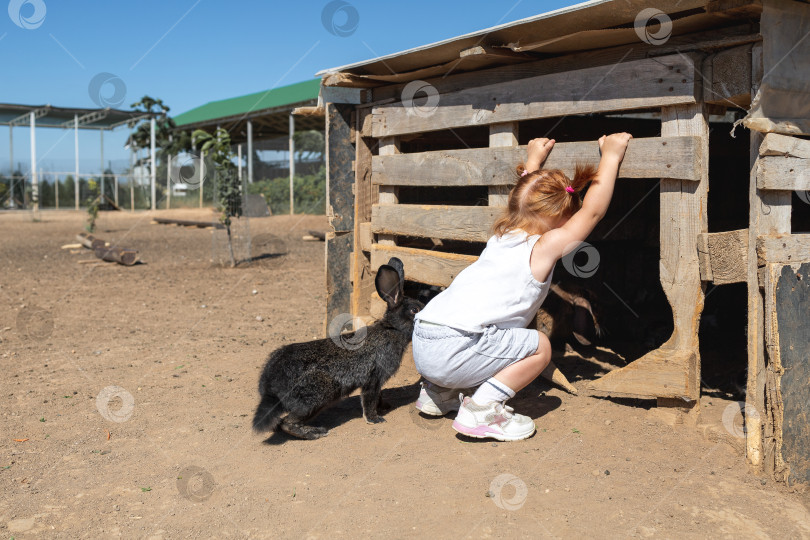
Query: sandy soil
(127, 395)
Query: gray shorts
(458, 359)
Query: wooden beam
(667, 80)
(429, 267)
(502, 135)
(783, 248)
(775, 144)
(389, 146)
(467, 223)
(662, 373)
(728, 77)
(679, 157)
(366, 238)
(364, 197)
(781, 173)
(722, 256)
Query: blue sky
(189, 52)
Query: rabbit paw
(375, 420)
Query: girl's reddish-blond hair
(545, 193)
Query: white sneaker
(435, 400)
(494, 420)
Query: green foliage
(93, 202)
(228, 184)
(309, 193)
(308, 143)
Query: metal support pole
(115, 181)
(131, 179)
(239, 161)
(250, 151)
(11, 153)
(169, 182)
(34, 180)
(292, 162)
(76, 150)
(202, 176)
(153, 172)
(56, 190)
(101, 131)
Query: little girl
(474, 333)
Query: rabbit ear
(396, 264)
(389, 285)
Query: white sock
(492, 390)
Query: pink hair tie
(524, 173)
(569, 189)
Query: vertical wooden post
(202, 176)
(505, 134)
(388, 194)
(769, 213)
(56, 190)
(364, 198)
(683, 217)
(115, 182)
(292, 162)
(340, 153)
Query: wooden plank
(661, 373)
(389, 146)
(728, 77)
(429, 267)
(722, 256)
(667, 80)
(338, 275)
(680, 157)
(783, 248)
(775, 144)
(362, 277)
(501, 135)
(467, 223)
(789, 350)
(340, 153)
(784, 173)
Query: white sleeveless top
(498, 289)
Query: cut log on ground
(552, 373)
(124, 256)
(320, 235)
(89, 241)
(188, 223)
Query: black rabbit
(302, 379)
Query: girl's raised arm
(557, 242)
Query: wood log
(552, 373)
(678, 157)
(124, 256)
(89, 241)
(188, 223)
(775, 144)
(723, 256)
(654, 82)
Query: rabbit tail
(268, 413)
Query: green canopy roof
(251, 104)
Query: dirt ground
(127, 395)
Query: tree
(309, 142)
(228, 184)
